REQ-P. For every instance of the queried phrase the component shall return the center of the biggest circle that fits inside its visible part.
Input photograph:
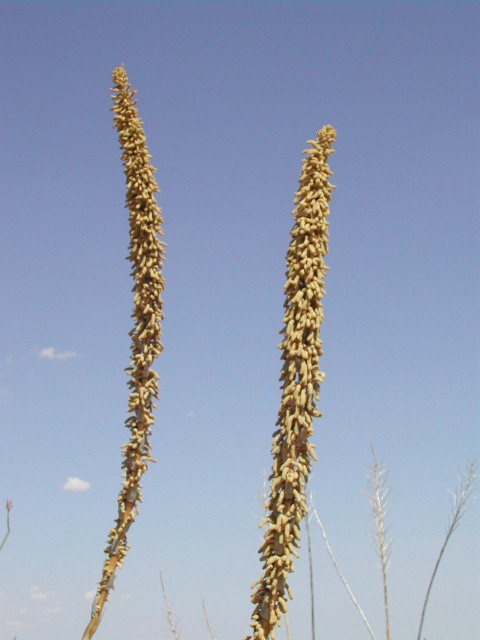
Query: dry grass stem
(207, 622)
(168, 611)
(287, 627)
(147, 254)
(377, 495)
(292, 451)
(342, 577)
(462, 500)
(310, 567)
(8, 507)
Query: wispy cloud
(53, 610)
(75, 485)
(49, 353)
(38, 595)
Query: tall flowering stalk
(147, 254)
(292, 452)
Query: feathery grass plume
(377, 495)
(168, 612)
(147, 254)
(462, 500)
(300, 380)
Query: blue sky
(229, 93)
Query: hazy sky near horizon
(229, 93)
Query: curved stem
(9, 508)
(342, 577)
(461, 502)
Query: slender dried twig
(462, 500)
(310, 567)
(9, 507)
(147, 253)
(342, 577)
(292, 451)
(287, 627)
(168, 611)
(207, 621)
(377, 495)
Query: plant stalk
(461, 502)
(379, 504)
(9, 507)
(301, 347)
(147, 253)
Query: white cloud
(53, 610)
(49, 354)
(75, 485)
(38, 595)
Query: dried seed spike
(146, 255)
(301, 350)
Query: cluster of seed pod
(147, 254)
(300, 380)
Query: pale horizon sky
(229, 93)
